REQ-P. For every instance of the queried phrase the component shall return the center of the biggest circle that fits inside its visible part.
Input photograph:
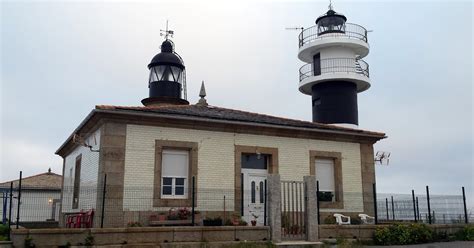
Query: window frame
(160, 200)
(76, 191)
(174, 177)
(338, 202)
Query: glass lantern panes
(166, 73)
(331, 24)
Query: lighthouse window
(165, 73)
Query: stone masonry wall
(216, 162)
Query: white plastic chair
(340, 219)
(366, 219)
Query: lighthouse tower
(334, 71)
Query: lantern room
(167, 81)
(331, 22)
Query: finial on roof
(49, 170)
(330, 5)
(202, 94)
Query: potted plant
(212, 221)
(236, 219)
(173, 214)
(183, 213)
(254, 221)
(162, 217)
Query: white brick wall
(216, 162)
(89, 174)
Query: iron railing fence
(333, 65)
(350, 30)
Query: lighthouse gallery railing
(351, 30)
(348, 65)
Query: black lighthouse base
(335, 102)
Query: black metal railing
(333, 65)
(350, 30)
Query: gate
(293, 218)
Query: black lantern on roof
(167, 82)
(331, 22)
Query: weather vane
(166, 32)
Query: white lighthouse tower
(335, 72)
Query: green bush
(399, 234)
(469, 233)
(466, 234)
(3, 230)
(329, 220)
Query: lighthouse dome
(167, 56)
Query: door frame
(272, 168)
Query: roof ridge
(37, 175)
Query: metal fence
(423, 208)
(216, 205)
(135, 206)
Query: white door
(254, 198)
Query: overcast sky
(60, 59)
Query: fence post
(19, 201)
(374, 189)
(428, 201)
(418, 209)
(193, 199)
(317, 203)
(103, 202)
(274, 210)
(466, 220)
(386, 207)
(10, 210)
(414, 204)
(393, 209)
(265, 205)
(312, 229)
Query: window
(327, 167)
(325, 177)
(77, 182)
(175, 169)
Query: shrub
(399, 234)
(3, 232)
(466, 234)
(469, 233)
(329, 220)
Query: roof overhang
(99, 116)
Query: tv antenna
(295, 28)
(382, 157)
(78, 139)
(166, 32)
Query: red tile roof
(48, 180)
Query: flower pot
(254, 222)
(161, 217)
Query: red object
(80, 220)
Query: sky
(59, 59)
